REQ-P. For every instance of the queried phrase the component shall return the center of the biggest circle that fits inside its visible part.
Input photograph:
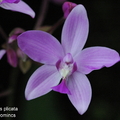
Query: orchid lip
(62, 88)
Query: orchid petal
(75, 30)
(9, 1)
(14, 34)
(2, 52)
(94, 58)
(19, 7)
(42, 81)
(81, 92)
(12, 57)
(40, 46)
(12, 38)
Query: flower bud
(67, 7)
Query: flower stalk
(41, 14)
(56, 25)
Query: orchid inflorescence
(65, 64)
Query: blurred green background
(104, 30)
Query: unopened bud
(67, 7)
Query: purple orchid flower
(66, 61)
(17, 5)
(12, 56)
